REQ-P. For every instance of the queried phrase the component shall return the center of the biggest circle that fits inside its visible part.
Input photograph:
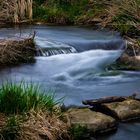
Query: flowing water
(72, 61)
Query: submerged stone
(126, 110)
(95, 122)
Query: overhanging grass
(19, 98)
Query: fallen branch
(108, 100)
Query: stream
(73, 63)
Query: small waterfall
(47, 47)
(54, 51)
(79, 65)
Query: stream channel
(73, 62)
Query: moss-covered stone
(126, 110)
(95, 122)
(129, 60)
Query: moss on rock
(95, 122)
(126, 110)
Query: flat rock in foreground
(126, 110)
(95, 122)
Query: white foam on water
(78, 64)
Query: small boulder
(95, 122)
(127, 62)
(126, 110)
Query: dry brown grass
(123, 15)
(16, 50)
(128, 7)
(112, 8)
(43, 125)
(15, 10)
(35, 126)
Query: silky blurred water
(81, 75)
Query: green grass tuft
(19, 98)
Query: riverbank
(32, 113)
(123, 16)
(27, 112)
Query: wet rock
(126, 110)
(97, 102)
(95, 122)
(129, 60)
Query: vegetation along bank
(29, 112)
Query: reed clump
(16, 11)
